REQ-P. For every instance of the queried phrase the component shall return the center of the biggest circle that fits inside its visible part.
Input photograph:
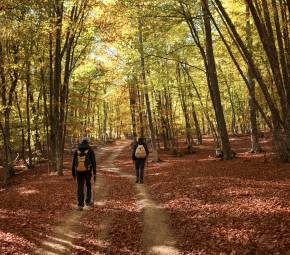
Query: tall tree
(213, 84)
(146, 94)
(255, 146)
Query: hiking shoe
(141, 181)
(80, 208)
(90, 204)
(137, 181)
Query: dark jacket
(134, 150)
(91, 158)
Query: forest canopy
(168, 70)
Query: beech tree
(171, 71)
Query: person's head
(140, 140)
(85, 140)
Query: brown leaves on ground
(223, 207)
(31, 207)
(112, 226)
(214, 207)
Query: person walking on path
(83, 164)
(139, 154)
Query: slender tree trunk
(51, 115)
(284, 54)
(162, 121)
(8, 165)
(28, 88)
(22, 129)
(204, 110)
(140, 111)
(99, 123)
(132, 95)
(209, 63)
(231, 98)
(169, 120)
(46, 113)
(279, 143)
(38, 145)
(57, 85)
(196, 122)
(267, 121)
(255, 146)
(182, 97)
(7, 105)
(63, 104)
(267, 39)
(147, 99)
(105, 122)
(213, 86)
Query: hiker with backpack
(140, 153)
(83, 165)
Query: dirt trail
(156, 236)
(61, 242)
(106, 166)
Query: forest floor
(195, 204)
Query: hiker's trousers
(82, 179)
(139, 166)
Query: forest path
(62, 240)
(196, 203)
(156, 236)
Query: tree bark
(57, 86)
(22, 129)
(28, 121)
(232, 103)
(213, 85)
(204, 109)
(133, 102)
(279, 143)
(255, 146)
(146, 95)
(184, 107)
(7, 100)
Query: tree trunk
(266, 119)
(99, 123)
(8, 164)
(140, 111)
(7, 100)
(46, 114)
(105, 122)
(204, 110)
(57, 86)
(255, 146)
(22, 129)
(51, 115)
(162, 120)
(132, 96)
(279, 142)
(63, 104)
(147, 99)
(231, 98)
(196, 123)
(169, 120)
(213, 85)
(184, 107)
(28, 88)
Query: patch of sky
(189, 38)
